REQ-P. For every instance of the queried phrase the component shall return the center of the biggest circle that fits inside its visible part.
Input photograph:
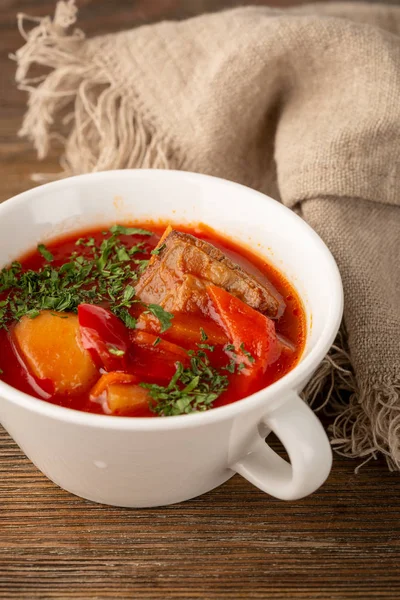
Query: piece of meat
(177, 276)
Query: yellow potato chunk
(51, 347)
(122, 397)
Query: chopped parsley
(116, 351)
(45, 253)
(162, 315)
(126, 317)
(206, 347)
(156, 341)
(229, 348)
(159, 249)
(121, 230)
(96, 275)
(88, 243)
(230, 367)
(204, 336)
(142, 265)
(129, 292)
(192, 389)
(247, 353)
(122, 254)
(234, 365)
(135, 249)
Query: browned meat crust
(176, 278)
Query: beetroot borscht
(146, 321)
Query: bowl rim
(289, 382)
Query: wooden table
(233, 543)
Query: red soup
(145, 321)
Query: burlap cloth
(302, 104)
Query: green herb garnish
(204, 336)
(142, 265)
(159, 249)
(115, 351)
(229, 348)
(45, 253)
(206, 347)
(88, 243)
(246, 353)
(190, 390)
(156, 341)
(121, 230)
(162, 315)
(107, 276)
(122, 254)
(129, 292)
(230, 367)
(126, 317)
(135, 249)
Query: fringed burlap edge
(365, 420)
(106, 131)
(104, 128)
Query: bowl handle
(306, 443)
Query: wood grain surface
(233, 543)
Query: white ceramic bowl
(139, 462)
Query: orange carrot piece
(160, 243)
(185, 329)
(158, 346)
(108, 379)
(122, 397)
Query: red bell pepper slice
(104, 336)
(252, 335)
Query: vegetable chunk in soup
(145, 321)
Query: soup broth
(146, 321)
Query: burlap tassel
(366, 422)
(106, 131)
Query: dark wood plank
(233, 543)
